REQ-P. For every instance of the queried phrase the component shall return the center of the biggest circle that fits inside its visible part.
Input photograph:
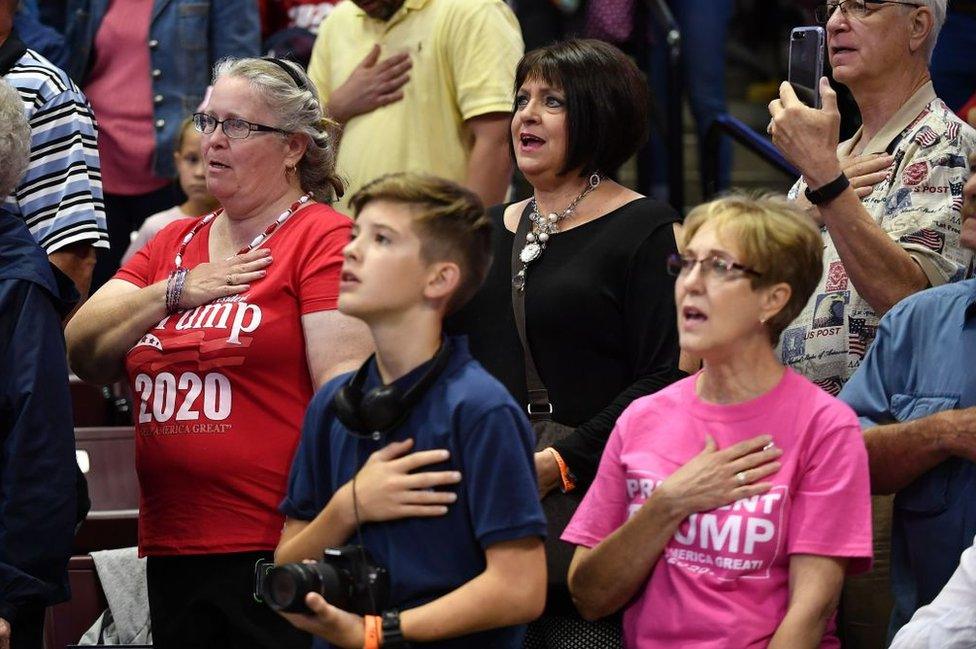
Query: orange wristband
(372, 631)
(568, 480)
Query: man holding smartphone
(889, 202)
(889, 198)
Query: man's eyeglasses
(857, 9)
(711, 266)
(234, 127)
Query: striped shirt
(60, 196)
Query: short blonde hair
(775, 238)
(450, 222)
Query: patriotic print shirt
(918, 205)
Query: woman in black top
(599, 303)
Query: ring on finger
(741, 478)
(230, 280)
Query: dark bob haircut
(607, 101)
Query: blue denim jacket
(186, 39)
(41, 38)
(922, 362)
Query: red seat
(87, 403)
(96, 405)
(107, 457)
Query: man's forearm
(881, 270)
(77, 261)
(900, 453)
(335, 110)
(489, 171)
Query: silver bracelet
(174, 289)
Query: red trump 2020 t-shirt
(220, 390)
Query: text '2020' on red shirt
(220, 390)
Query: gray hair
(14, 139)
(298, 110)
(938, 9)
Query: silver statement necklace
(544, 227)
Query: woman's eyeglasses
(711, 266)
(234, 127)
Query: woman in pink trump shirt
(729, 506)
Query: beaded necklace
(545, 226)
(257, 241)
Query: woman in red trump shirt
(225, 325)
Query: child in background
(192, 174)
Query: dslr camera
(346, 577)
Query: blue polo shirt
(922, 362)
(491, 442)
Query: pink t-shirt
(723, 579)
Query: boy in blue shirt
(446, 498)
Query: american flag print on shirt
(927, 237)
(919, 207)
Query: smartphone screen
(806, 63)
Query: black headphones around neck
(384, 407)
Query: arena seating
(106, 455)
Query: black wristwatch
(828, 192)
(392, 636)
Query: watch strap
(828, 192)
(392, 635)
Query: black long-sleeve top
(600, 319)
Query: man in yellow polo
(421, 85)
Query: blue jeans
(704, 25)
(953, 72)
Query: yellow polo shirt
(464, 54)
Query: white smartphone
(807, 63)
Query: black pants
(27, 628)
(207, 601)
(123, 216)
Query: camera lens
(285, 587)
(282, 589)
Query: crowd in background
(231, 206)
